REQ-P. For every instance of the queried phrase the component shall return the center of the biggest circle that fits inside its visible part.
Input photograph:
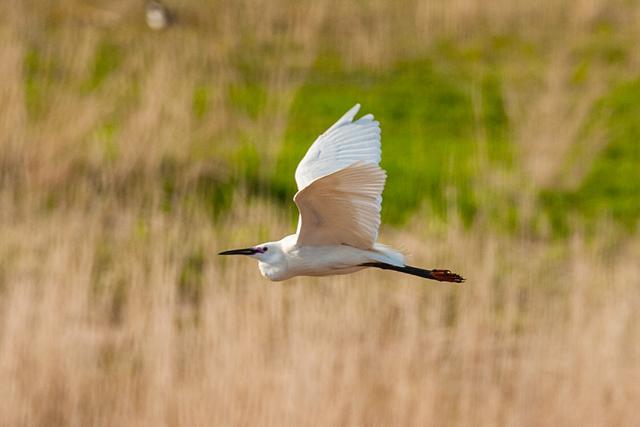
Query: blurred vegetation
(430, 129)
(611, 188)
(523, 130)
(130, 157)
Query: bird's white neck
(275, 272)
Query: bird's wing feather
(340, 185)
(342, 208)
(343, 144)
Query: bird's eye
(265, 249)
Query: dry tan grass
(116, 311)
(97, 328)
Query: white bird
(339, 198)
(157, 15)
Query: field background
(129, 158)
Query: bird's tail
(387, 255)
(439, 275)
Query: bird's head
(264, 252)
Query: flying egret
(339, 197)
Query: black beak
(245, 251)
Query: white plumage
(340, 184)
(343, 144)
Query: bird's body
(287, 259)
(339, 197)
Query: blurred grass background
(523, 116)
(129, 157)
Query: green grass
(611, 188)
(444, 123)
(107, 60)
(38, 75)
(431, 131)
(433, 135)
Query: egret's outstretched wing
(340, 185)
(343, 144)
(342, 207)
